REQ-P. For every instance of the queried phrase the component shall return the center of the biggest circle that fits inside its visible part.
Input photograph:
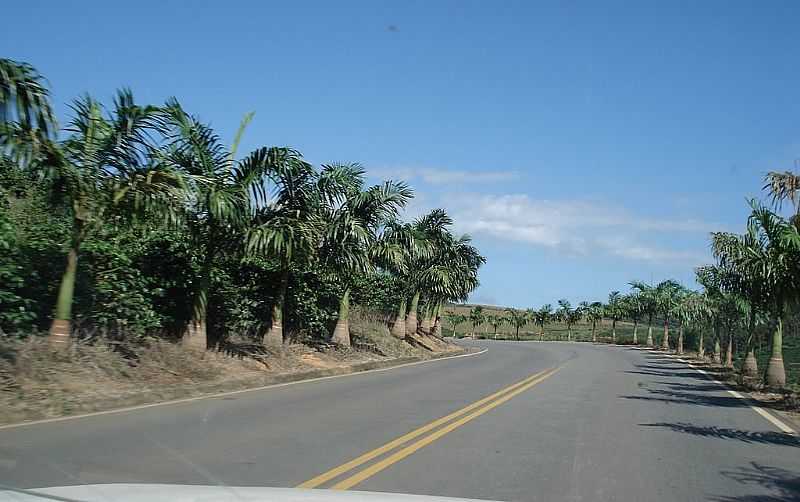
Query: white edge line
(781, 425)
(240, 391)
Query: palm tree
(225, 194)
(571, 317)
(108, 167)
(777, 255)
(633, 307)
(354, 216)
(518, 319)
(666, 296)
(648, 299)
(684, 312)
(742, 283)
(542, 317)
(495, 321)
(583, 308)
(455, 319)
(430, 242)
(25, 100)
(476, 318)
(783, 186)
(562, 312)
(614, 310)
(595, 314)
(287, 227)
(456, 274)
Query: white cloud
(575, 227)
(441, 176)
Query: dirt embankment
(36, 382)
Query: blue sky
(581, 144)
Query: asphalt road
(611, 423)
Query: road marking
(782, 426)
(232, 392)
(366, 457)
(408, 450)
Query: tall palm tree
(286, 227)
(107, 167)
(666, 296)
(595, 314)
(225, 194)
(495, 321)
(647, 297)
(518, 319)
(742, 283)
(454, 319)
(777, 255)
(354, 216)
(476, 318)
(633, 307)
(614, 310)
(542, 317)
(25, 100)
(783, 186)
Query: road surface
(583, 422)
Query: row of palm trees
(755, 283)
(160, 164)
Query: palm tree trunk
(437, 321)
(776, 374)
(650, 329)
(665, 341)
(425, 325)
(196, 337)
(341, 334)
(701, 349)
(729, 350)
(613, 331)
(750, 365)
(274, 335)
(717, 351)
(516, 335)
(411, 320)
(636, 332)
(594, 331)
(399, 326)
(680, 339)
(569, 332)
(61, 327)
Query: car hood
(196, 493)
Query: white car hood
(124, 492)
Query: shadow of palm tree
(783, 484)
(711, 387)
(673, 374)
(669, 396)
(763, 437)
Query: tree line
(138, 220)
(751, 289)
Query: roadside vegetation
(745, 317)
(132, 225)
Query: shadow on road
(694, 375)
(671, 396)
(712, 387)
(763, 437)
(784, 485)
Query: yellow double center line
(466, 414)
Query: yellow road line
(408, 450)
(366, 457)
